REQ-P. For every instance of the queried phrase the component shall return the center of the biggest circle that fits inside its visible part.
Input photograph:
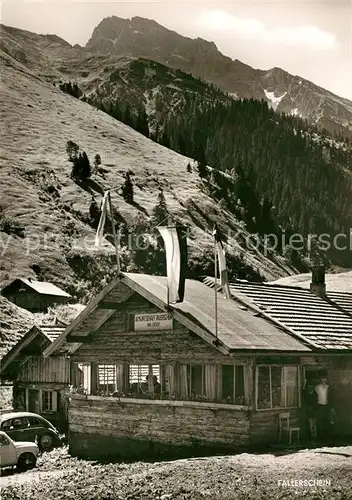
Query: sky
(310, 38)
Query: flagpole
(114, 234)
(216, 288)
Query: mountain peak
(145, 21)
(145, 38)
(206, 44)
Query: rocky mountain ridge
(287, 93)
(116, 39)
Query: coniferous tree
(86, 169)
(127, 188)
(142, 122)
(97, 162)
(160, 214)
(81, 169)
(148, 253)
(72, 150)
(165, 139)
(202, 170)
(127, 116)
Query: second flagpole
(216, 287)
(114, 234)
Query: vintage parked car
(24, 426)
(21, 454)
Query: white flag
(176, 261)
(101, 226)
(224, 281)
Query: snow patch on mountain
(274, 101)
(173, 87)
(295, 112)
(149, 98)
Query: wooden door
(341, 391)
(33, 401)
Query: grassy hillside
(14, 323)
(269, 163)
(48, 235)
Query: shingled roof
(52, 331)
(323, 323)
(238, 329)
(342, 300)
(41, 287)
(35, 341)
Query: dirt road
(12, 479)
(324, 473)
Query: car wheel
(46, 442)
(26, 461)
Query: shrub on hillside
(202, 170)
(81, 169)
(94, 213)
(92, 270)
(9, 225)
(160, 214)
(12, 226)
(72, 89)
(72, 150)
(70, 229)
(97, 161)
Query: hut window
(107, 379)
(192, 379)
(144, 380)
(197, 380)
(232, 384)
(277, 387)
(291, 385)
(49, 401)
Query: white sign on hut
(154, 321)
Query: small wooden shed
(40, 384)
(34, 295)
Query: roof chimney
(317, 285)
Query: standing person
(310, 398)
(323, 408)
(156, 386)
